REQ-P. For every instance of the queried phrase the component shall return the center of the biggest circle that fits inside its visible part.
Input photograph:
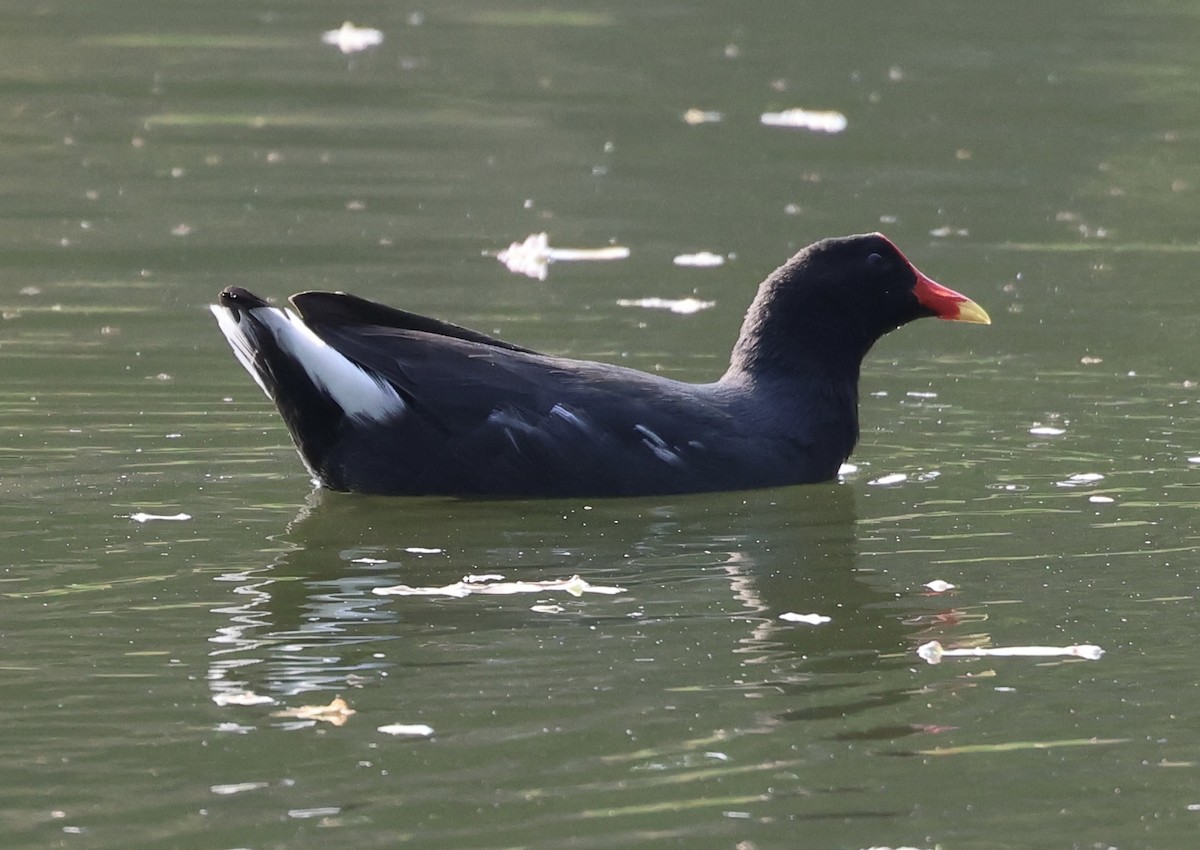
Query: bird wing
(338, 309)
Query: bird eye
(874, 259)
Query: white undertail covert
(359, 393)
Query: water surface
(1040, 160)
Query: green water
(1041, 158)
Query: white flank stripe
(568, 416)
(658, 445)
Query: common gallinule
(379, 400)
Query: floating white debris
(237, 788)
(933, 652)
(943, 232)
(699, 260)
(1047, 431)
(533, 256)
(315, 812)
(810, 619)
(1193, 460)
(530, 258)
(491, 585)
(421, 550)
(893, 478)
(143, 517)
(1080, 478)
(351, 39)
(682, 306)
(242, 698)
(368, 561)
(1011, 488)
(702, 116)
(847, 469)
(822, 121)
(336, 712)
(918, 394)
(939, 586)
(1101, 500)
(547, 609)
(412, 730)
(235, 728)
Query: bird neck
(794, 333)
